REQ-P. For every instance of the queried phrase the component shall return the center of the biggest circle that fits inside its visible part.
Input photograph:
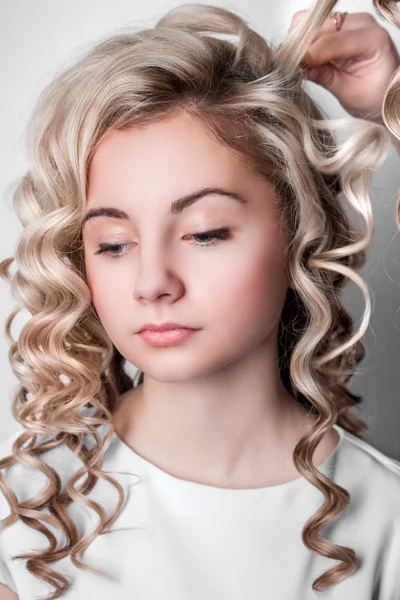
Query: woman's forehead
(168, 164)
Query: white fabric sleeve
(5, 576)
(389, 580)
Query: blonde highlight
(250, 96)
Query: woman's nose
(157, 276)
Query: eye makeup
(212, 236)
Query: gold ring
(339, 18)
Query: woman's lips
(168, 337)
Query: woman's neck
(226, 429)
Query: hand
(355, 63)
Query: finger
(351, 21)
(327, 76)
(329, 24)
(341, 45)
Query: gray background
(38, 38)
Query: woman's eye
(210, 238)
(111, 250)
(213, 235)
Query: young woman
(182, 212)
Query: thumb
(327, 76)
(338, 47)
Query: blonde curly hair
(389, 10)
(250, 95)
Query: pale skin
(200, 417)
(212, 409)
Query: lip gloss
(169, 337)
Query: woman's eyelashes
(211, 237)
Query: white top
(201, 542)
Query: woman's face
(231, 289)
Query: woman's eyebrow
(177, 206)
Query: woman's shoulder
(24, 479)
(368, 472)
(53, 452)
(370, 457)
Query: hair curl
(250, 95)
(389, 10)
